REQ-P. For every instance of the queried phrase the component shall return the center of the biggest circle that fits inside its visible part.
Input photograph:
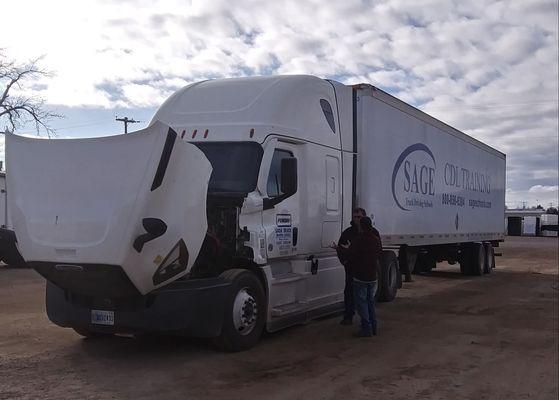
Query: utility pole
(127, 121)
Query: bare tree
(16, 110)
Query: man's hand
(346, 246)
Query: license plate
(101, 317)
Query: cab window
(273, 186)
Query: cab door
(324, 218)
(281, 220)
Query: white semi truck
(216, 219)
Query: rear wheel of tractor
(388, 276)
(489, 258)
(245, 311)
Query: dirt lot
(445, 337)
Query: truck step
(287, 278)
(286, 309)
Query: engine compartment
(223, 247)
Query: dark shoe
(346, 322)
(362, 334)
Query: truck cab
(276, 196)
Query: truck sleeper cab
(215, 220)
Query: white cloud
(543, 189)
(522, 198)
(487, 67)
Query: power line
(96, 122)
(127, 121)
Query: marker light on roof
(194, 133)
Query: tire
(245, 311)
(86, 333)
(479, 260)
(472, 260)
(489, 258)
(388, 276)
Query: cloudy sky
(488, 68)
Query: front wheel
(245, 311)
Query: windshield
(235, 165)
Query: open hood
(77, 202)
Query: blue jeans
(349, 307)
(364, 295)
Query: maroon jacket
(363, 254)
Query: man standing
(345, 239)
(363, 255)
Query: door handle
(314, 264)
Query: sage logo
(413, 178)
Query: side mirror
(288, 176)
(154, 228)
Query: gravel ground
(446, 336)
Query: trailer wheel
(480, 259)
(388, 276)
(489, 258)
(473, 259)
(245, 311)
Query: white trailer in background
(549, 225)
(216, 219)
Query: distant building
(530, 223)
(549, 224)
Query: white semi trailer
(216, 219)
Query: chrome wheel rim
(245, 312)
